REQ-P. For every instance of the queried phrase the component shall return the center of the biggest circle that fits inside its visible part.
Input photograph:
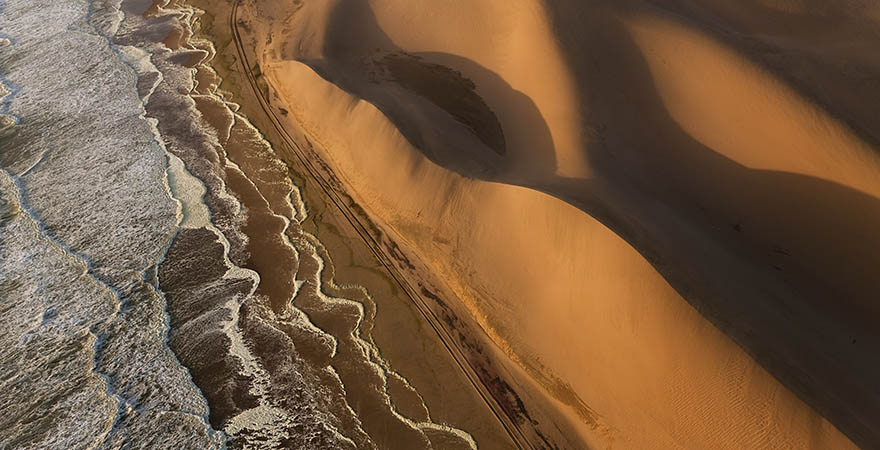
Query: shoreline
(221, 299)
(388, 252)
(389, 310)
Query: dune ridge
(665, 163)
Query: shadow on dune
(783, 263)
(433, 99)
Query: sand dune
(663, 214)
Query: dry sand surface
(660, 216)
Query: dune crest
(745, 113)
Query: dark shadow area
(432, 99)
(529, 143)
(449, 91)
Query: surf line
(454, 350)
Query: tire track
(509, 423)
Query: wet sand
(425, 384)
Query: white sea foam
(86, 170)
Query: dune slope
(660, 213)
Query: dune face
(662, 214)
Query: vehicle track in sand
(511, 427)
